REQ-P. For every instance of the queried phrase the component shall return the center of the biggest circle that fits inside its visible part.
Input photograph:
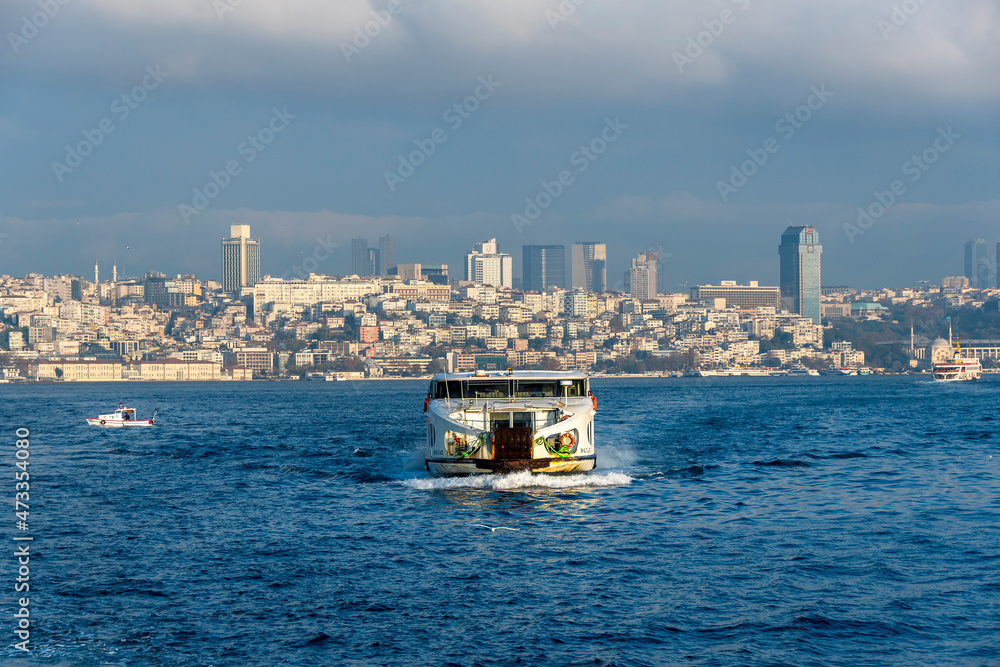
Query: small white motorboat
(120, 418)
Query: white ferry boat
(122, 417)
(958, 368)
(802, 370)
(500, 421)
(839, 370)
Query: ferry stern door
(512, 436)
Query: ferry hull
(487, 466)
(117, 423)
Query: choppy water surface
(800, 521)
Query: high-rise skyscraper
(978, 267)
(387, 254)
(240, 259)
(642, 275)
(486, 266)
(543, 266)
(799, 257)
(367, 261)
(589, 264)
(360, 260)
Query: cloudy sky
(143, 129)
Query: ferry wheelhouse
(958, 368)
(501, 421)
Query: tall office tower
(543, 266)
(993, 266)
(589, 262)
(642, 275)
(96, 275)
(799, 257)
(240, 259)
(387, 254)
(360, 260)
(486, 266)
(978, 267)
(374, 262)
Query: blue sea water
(742, 521)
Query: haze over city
(305, 124)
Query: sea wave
(519, 480)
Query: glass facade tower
(978, 267)
(589, 266)
(799, 256)
(543, 266)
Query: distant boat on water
(120, 418)
(958, 368)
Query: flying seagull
(483, 525)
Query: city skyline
(987, 266)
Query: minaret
(96, 281)
(114, 269)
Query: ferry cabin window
(521, 420)
(514, 419)
(466, 389)
(547, 389)
(463, 389)
(488, 389)
(452, 389)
